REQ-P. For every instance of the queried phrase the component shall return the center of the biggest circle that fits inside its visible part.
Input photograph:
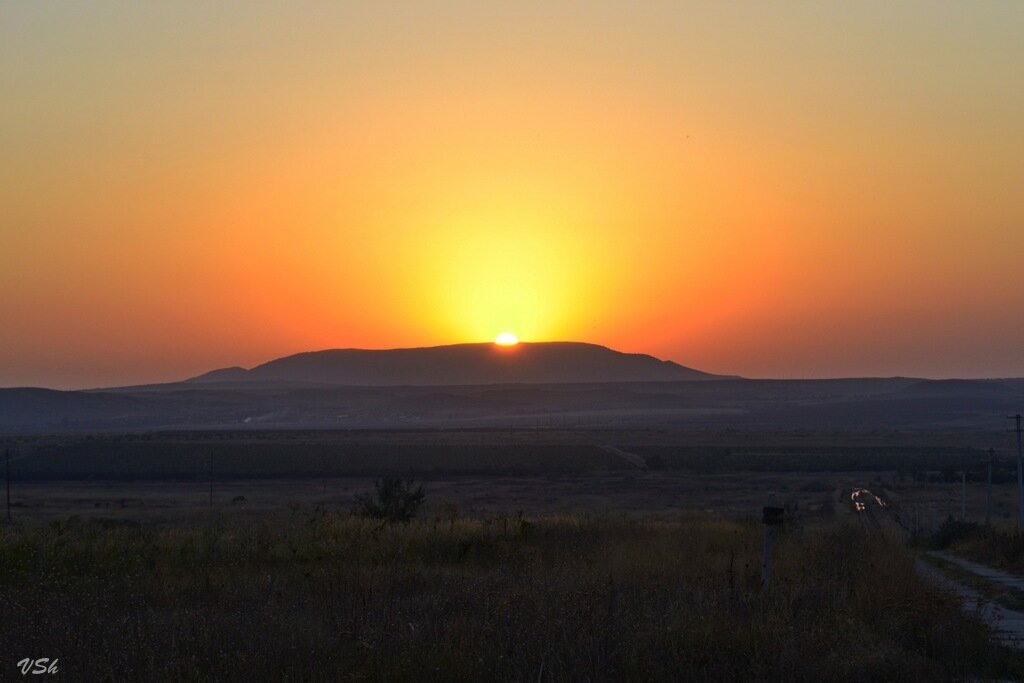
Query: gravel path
(1007, 624)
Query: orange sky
(787, 191)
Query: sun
(506, 339)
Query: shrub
(395, 500)
(952, 531)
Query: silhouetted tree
(395, 500)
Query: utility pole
(1020, 473)
(988, 499)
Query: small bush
(395, 500)
(998, 547)
(954, 531)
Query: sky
(770, 189)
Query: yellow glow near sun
(509, 248)
(506, 339)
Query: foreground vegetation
(327, 596)
(999, 546)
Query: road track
(1007, 625)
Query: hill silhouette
(462, 364)
(486, 386)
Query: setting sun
(371, 176)
(506, 339)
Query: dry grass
(324, 596)
(1000, 546)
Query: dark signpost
(772, 516)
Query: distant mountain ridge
(864, 404)
(462, 364)
(471, 386)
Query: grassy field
(540, 555)
(312, 595)
(164, 476)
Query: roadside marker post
(771, 517)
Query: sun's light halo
(506, 339)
